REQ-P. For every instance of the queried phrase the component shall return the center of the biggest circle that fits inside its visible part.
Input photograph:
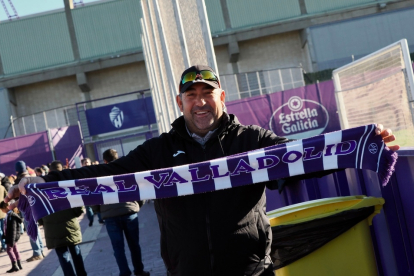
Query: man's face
(202, 107)
(86, 162)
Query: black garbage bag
(294, 241)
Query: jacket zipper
(210, 244)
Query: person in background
(63, 233)
(45, 169)
(31, 171)
(3, 194)
(56, 166)
(12, 179)
(12, 235)
(21, 171)
(39, 171)
(122, 219)
(89, 212)
(37, 245)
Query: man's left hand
(387, 136)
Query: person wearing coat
(12, 235)
(63, 233)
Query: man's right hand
(17, 190)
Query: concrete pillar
(233, 49)
(1, 67)
(302, 6)
(226, 14)
(83, 82)
(6, 102)
(71, 27)
(172, 43)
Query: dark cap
(197, 69)
(20, 167)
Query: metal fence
(42, 121)
(245, 85)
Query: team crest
(117, 117)
(31, 200)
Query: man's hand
(387, 136)
(17, 190)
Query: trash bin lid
(320, 208)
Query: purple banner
(33, 149)
(120, 116)
(296, 114)
(67, 142)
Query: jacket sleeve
(137, 160)
(77, 211)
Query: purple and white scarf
(352, 148)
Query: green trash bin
(325, 237)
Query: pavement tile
(96, 250)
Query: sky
(29, 7)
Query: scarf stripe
(352, 148)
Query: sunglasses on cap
(203, 74)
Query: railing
(245, 85)
(42, 121)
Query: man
(56, 166)
(89, 212)
(86, 162)
(37, 245)
(39, 171)
(122, 219)
(224, 232)
(3, 194)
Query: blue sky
(28, 7)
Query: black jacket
(13, 228)
(217, 233)
(62, 229)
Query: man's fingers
(388, 139)
(13, 205)
(386, 132)
(394, 148)
(379, 129)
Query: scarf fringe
(387, 166)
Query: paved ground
(96, 250)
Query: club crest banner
(120, 116)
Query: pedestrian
(225, 232)
(39, 171)
(3, 194)
(12, 235)
(122, 219)
(21, 171)
(63, 233)
(89, 212)
(37, 245)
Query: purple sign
(67, 142)
(296, 114)
(120, 116)
(33, 149)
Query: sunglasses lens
(208, 75)
(189, 77)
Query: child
(12, 235)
